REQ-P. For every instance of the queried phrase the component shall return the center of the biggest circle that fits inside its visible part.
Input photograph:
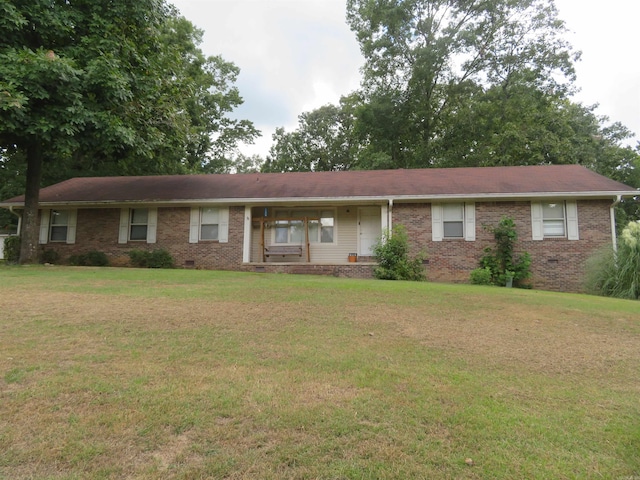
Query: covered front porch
(320, 235)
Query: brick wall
(97, 229)
(557, 264)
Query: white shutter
(152, 225)
(437, 229)
(537, 227)
(572, 220)
(223, 225)
(470, 221)
(72, 220)
(194, 225)
(45, 217)
(123, 232)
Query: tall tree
(109, 87)
(424, 60)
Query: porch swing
(269, 251)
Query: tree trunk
(30, 234)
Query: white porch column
(246, 246)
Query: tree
(323, 141)
(103, 88)
(426, 59)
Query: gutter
(612, 214)
(19, 219)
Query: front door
(369, 229)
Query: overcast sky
(297, 55)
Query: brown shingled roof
(364, 184)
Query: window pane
(297, 232)
(453, 229)
(59, 233)
(314, 229)
(59, 217)
(138, 232)
(327, 235)
(139, 216)
(282, 234)
(553, 211)
(209, 216)
(453, 212)
(209, 232)
(554, 228)
(326, 221)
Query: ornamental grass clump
(617, 273)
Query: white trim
(72, 221)
(296, 201)
(152, 224)
(537, 224)
(223, 225)
(384, 217)
(437, 227)
(123, 230)
(470, 221)
(246, 246)
(45, 218)
(572, 220)
(194, 225)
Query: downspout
(612, 214)
(389, 215)
(19, 219)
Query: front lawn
(129, 373)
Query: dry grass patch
(136, 374)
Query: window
(209, 224)
(209, 219)
(553, 219)
(289, 226)
(138, 224)
(453, 221)
(59, 225)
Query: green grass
(129, 373)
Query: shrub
(49, 256)
(155, 259)
(617, 274)
(12, 249)
(90, 259)
(501, 260)
(481, 276)
(392, 254)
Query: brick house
(313, 222)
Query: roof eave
(336, 200)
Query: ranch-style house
(328, 222)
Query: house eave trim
(337, 200)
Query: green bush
(155, 259)
(481, 276)
(392, 255)
(90, 259)
(501, 260)
(617, 274)
(49, 256)
(12, 249)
